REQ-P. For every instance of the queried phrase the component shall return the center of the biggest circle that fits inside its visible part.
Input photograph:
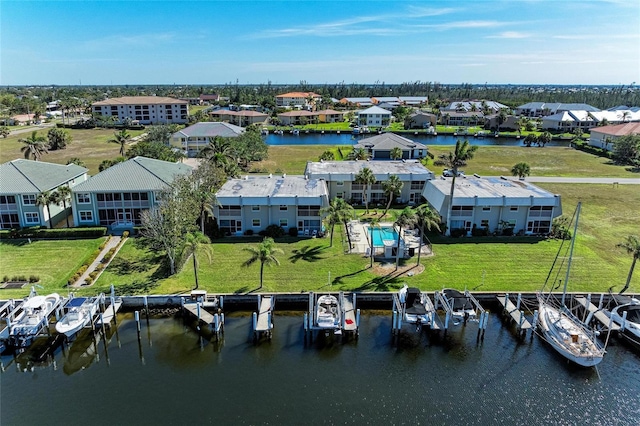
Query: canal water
(171, 376)
(349, 139)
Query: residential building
(195, 138)
(301, 117)
(380, 146)
(420, 120)
(494, 204)
(462, 118)
(330, 116)
(486, 107)
(254, 202)
(361, 102)
(143, 109)
(605, 136)
(340, 179)
(413, 100)
(240, 118)
(20, 183)
(569, 121)
(305, 100)
(116, 196)
(374, 117)
(542, 109)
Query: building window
(340, 183)
(484, 223)
(339, 194)
(255, 223)
(513, 208)
(486, 209)
(255, 208)
(83, 198)
(32, 218)
(283, 208)
(7, 199)
(29, 199)
(284, 223)
(86, 216)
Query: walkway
(114, 241)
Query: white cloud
(510, 35)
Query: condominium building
(144, 109)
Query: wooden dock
(109, 313)
(349, 320)
(214, 321)
(514, 312)
(599, 314)
(263, 318)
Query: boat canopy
(414, 302)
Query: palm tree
(365, 177)
(544, 138)
(454, 160)
(63, 194)
(58, 139)
(395, 153)
(121, 138)
(360, 154)
(338, 211)
(405, 218)
(521, 170)
(34, 146)
(193, 243)
(374, 223)
(44, 199)
(632, 245)
(264, 253)
(391, 187)
(426, 218)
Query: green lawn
(54, 261)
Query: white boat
(416, 308)
(627, 315)
(328, 312)
(462, 307)
(37, 310)
(80, 311)
(563, 330)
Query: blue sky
(211, 42)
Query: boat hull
(631, 329)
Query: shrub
(248, 232)
(58, 233)
(5, 278)
(479, 232)
(94, 274)
(34, 279)
(507, 232)
(125, 234)
(88, 280)
(99, 266)
(293, 231)
(274, 231)
(458, 232)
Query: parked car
(449, 173)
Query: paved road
(30, 129)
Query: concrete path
(114, 241)
(30, 129)
(555, 179)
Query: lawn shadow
(389, 282)
(241, 290)
(488, 240)
(18, 242)
(307, 253)
(339, 278)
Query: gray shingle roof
(136, 174)
(210, 129)
(388, 141)
(27, 176)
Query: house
(194, 138)
(239, 118)
(568, 121)
(487, 107)
(250, 204)
(392, 101)
(374, 117)
(340, 179)
(605, 137)
(420, 120)
(20, 183)
(363, 102)
(494, 204)
(297, 117)
(208, 99)
(297, 99)
(116, 196)
(380, 146)
(542, 109)
(462, 118)
(330, 116)
(144, 109)
(413, 100)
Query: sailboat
(563, 330)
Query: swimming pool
(381, 234)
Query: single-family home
(195, 138)
(20, 183)
(420, 120)
(239, 118)
(330, 116)
(494, 204)
(297, 117)
(340, 178)
(297, 99)
(251, 203)
(569, 121)
(605, 136)
(374, 117)
(116, 196)
(414, 100)
(361, 102)
(379, 147)
(143, 109)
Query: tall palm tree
(453, 161)
(395, 153)
(122, 138)
(365, 177)
(63, 194)
(338, 211)
(373, 224)
(392, 187)
(405, 218)
(34, 146)
(521, 170)
(360, 154)
(544, 138)
(44, 199)
(426, 218)
(195, 242)
(264, 253)
(632, 245)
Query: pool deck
(359, 233)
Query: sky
(593, 42)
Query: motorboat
(417, 309)
(79, 312)
(627, 315)
(559, 327)
(37, 310)
(461, 304)
(327, 312)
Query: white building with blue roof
(495, 204)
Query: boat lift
(349, 318)
(516, 314)
(457, 315)
(596, 313)
(263, 319)
(399, 314)
(196, 307)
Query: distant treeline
(603, 97)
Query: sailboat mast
(573, 241)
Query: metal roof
(27, 176)
(379, 168)
(136, 174)
(388, 141)
(273, 187)
(210, 129)
(490, 187)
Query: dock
(514, 312)
(263, 318)
(350, 316)
(477, 314)
(195, 306)
(593, 312)
(341, 318)
(399, 314)
(109, 313)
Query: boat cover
(414, 302)
(459, 300)
(76, 302)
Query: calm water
(349, 139)
(381, 234)
(173, 378)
